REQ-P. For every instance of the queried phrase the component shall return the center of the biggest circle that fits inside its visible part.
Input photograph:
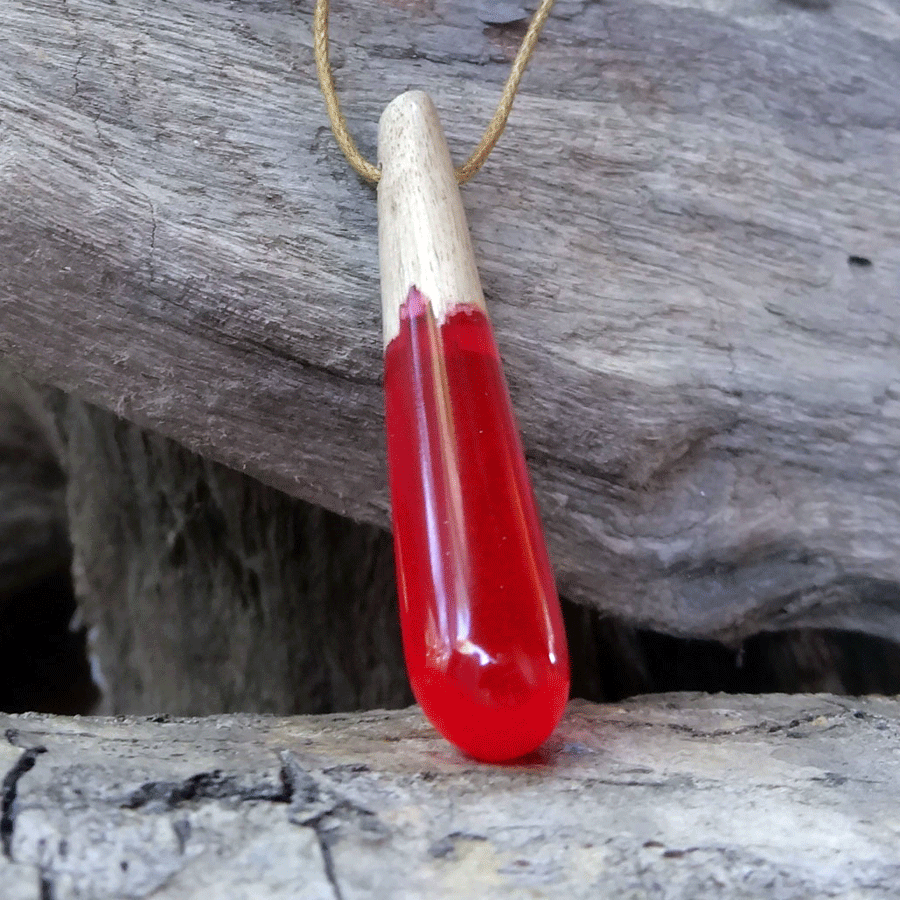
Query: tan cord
(492, 132)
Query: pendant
(482, 627)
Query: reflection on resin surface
(482, 630)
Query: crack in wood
(214, 785)
(314, 806)
(325, 810)
(9, 791)
(323, 837)
(46, 887)
(313, 802)
(763, 727)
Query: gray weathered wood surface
(674, 796)
(709, 390)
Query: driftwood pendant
(482, 628)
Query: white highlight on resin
(423, 236)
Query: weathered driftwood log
(688, 238)
(678, 796)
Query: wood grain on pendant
(482, 630)
(423, 236)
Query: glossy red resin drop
(482, 629)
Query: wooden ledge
(676, 796)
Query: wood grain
(423, 235)
(678, 797)
(689, 239)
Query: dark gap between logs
(43, 648)
(44, 667)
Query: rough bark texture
(688, 236)
(677, 796)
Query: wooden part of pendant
(482, 629)
(423, 236)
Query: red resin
(482, 629)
